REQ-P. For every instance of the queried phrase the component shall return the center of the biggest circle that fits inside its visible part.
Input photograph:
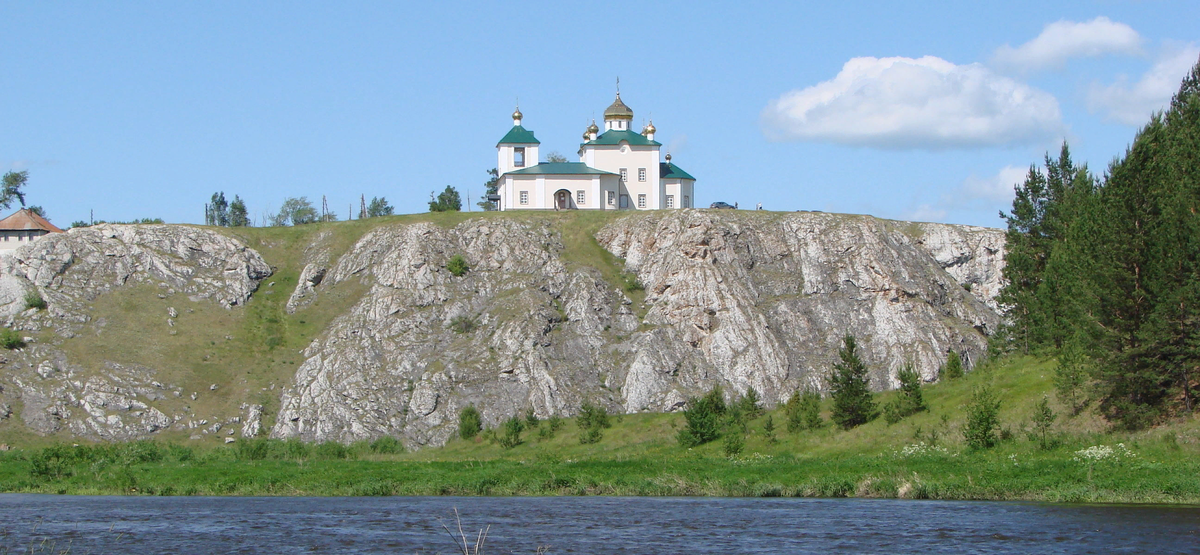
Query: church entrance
(562, 200)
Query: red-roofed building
(22, 228)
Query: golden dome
(618, 110)
(517, 114)
(649, 129)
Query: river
(599, 525)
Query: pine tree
(849, 385)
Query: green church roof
(519, 136)
(560, 168)
(614, 137)
(667, 170)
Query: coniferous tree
(849, 386)
(490, 187)
(446, 201)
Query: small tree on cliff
(470, 423)
(849, 386)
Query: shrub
(252, 449)
(1070, 377)
(510, 435)
(1043, 418)
(983, 419)
(470, 423)
(849, 385)
(953, 368)
(703, 418)
(457, 265)
(531, 419)
(769, 430)
(734, 443)
(387, 445)
(810, 409)
(630, 283)
(331, 450)
(10, 339)
(462, 324)
(749, 404)
(34, 300)
(591, 421)
(909, 400)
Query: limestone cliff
(739, 299)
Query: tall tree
(490, 187)
(11, 190)
(447, 201)
(295, 211)
(238, 215)
(217, 211)
(849, 386)
(379, 207)
(555, 157)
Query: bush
(470, 423)
(252, 449)
(1043, 418)
(10, 339)
(734, 443)
(983, 419)
(387, 445)
(630, 283)
(953, 369)
(1070, 377)
(462, 324)
(803, 410)
(510, 435)
(909, 400)
(331, 450)
(591, 421)
(531, 419)
(703, 417)
(34, 300)
(749, 404)
(769, 430)
(457, 265)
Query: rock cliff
(741, 299)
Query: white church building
(618, 169)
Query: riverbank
(920, 457)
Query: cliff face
(739, 299)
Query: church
(618, 169)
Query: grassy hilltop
(922, 456)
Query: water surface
(642, 525)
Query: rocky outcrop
(737, 298)
(110, 400)
(742, 300)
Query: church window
(641, 201)
(686, 202)
(641, 174)
(519, 157)
(624, 174)
(612, 197)
(579, 197)
(524, 197)
(670, 201)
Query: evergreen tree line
(1105, 271)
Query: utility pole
(362, 210)
(324, 207)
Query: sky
(929, 111)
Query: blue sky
(923, 111)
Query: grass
(922, 457)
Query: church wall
(611, 159)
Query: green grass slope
(922, 456)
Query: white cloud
(1062, 40)
(997, 188)
(914, 103)
(1133, 103)
(926, 213)
(974, 193)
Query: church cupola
(617, 116)
(592, 132)
(517, 116)
(649, 130)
